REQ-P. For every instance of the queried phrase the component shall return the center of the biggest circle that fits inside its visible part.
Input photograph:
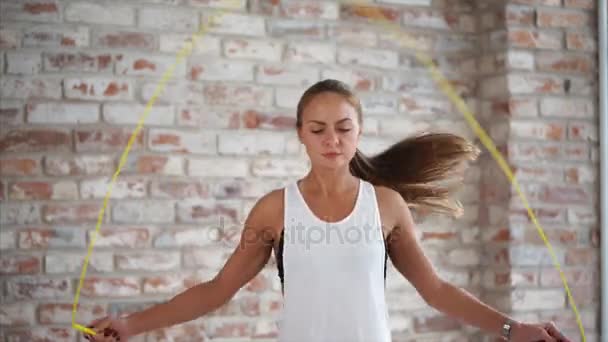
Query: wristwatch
(506, 330)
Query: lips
(331, 154)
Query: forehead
(329, 106)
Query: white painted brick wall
(77, 76)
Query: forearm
(458, 303)
(186, 306)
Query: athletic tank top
(333, 273)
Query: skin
(329, 124)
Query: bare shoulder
(390, 203)
(267, 213)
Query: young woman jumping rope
(332, 232)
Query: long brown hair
(424, 168)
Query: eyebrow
(323, 123)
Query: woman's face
(330, 130)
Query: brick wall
(75, 77)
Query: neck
(330, 181)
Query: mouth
(331, 154)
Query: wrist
(509, 329)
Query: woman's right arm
(247, 260)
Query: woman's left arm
(409, 259)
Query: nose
(331, 138)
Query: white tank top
(333, 273)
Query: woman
(332, 232)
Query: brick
(398, 127)
(148, 261)
(367, 57)
(179, 189)
(567, 107)
(41, 334)
(424, 324)
(17, 314)
(208, 211)
(9, 38)
(105, 14)
(19, 264)
(536, 130)
(61, 313)
(106, 139)
(183, 238)
(580, 41)
(204, 69)
(45, 238)
(419, 105)
(251, 144)
(78, 165)
(62, 190)
(62, 113)
(582, 256)
(534, 84)
(307, 10)
(56, 36)
(580, 174)
(358, 80)
(174, 93)
(144, 212)
(561, 18)
(125, 286)
(190, 330)
(553, 62)
(164, 140)
(27, 87)
(35, 140)
(369, 13)
(212, 257)
(98, 88)
(122, 39)
(22, 63)
(269, 167)
(201, 45)
(265, 50)
(19, 166)
(77, 61)
(520, 60)
(166, 19)
(31, 287)
(217, 167)
(582, 131)
(433, 19)
(41, 11)
(575, 277)
(62, 212)
(149, 65)
(583, 4)
(519, 15)
(253, 119)
(131, 114)
(19, 213)
(535, 39)
(287, 75)
(153, 164)
(236, 24)
(122, 237)
(528, 299)
(229, 329)
(291, 29)
(349, 34)
(287, 97)
(61, 262)
(169, 283)
(11, 113)
(8, 239)
(122, 188)
(225, 4)
(539, 2)
(242, 95)
(310, 52)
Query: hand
(108, 329)
(545, 332)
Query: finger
(547, 337)
(553, 331)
